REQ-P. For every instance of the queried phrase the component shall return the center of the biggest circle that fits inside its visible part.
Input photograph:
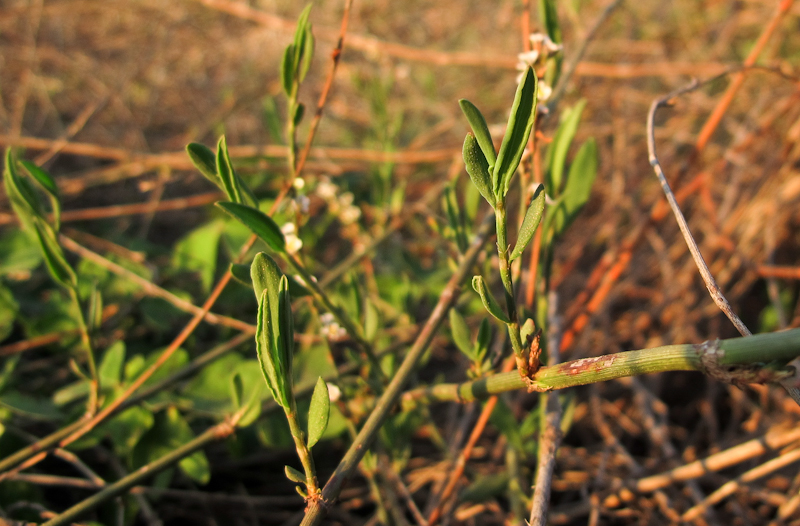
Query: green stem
(737, 360)
(213, 434)
(86, 342)
(508, 287)
(306, 459)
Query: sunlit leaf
(533, 217)
(520, 123)
(478, 169)
(318, 412)
(488, 300)
(480, 129)
(461, 335)
(258, 222)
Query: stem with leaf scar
(761, 358)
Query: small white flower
(298, 183)
(527, 59)
(543, 41)
(326, 189)
(544, 91)
(288, 229)
(350, 215)
(293, 244)
(346, 199)
(334, 393)
(326, 319)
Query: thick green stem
(508, 287)
(737, 360)
(306, 459)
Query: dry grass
(135, 78)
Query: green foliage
(258, 222)
(530, 223)
(319, 412)
(518, 131)
(489, 303)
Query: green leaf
(480, 129)
(110, 369)
(294, 475)
(580, 179)
(8, 312)
(308, 53)
(483, 341)
(18, 252)
(489, 303)
(94, 311)
(30, 406)
(287, 70)
(197, 252)
(520, 123)
(299, 112)
(49, 186)
(258, 222)
(318, 412)
(205, 161)
(532, 218)
(556, 156)
(478, 168)
(461, 336)
(265, 275)
(227, 174)
(22, 197)
(53, 255)
(270, 350)
(236, 391)
(286, 333)
(241, 273)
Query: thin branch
(705, 273)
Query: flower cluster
(542, 48)
(339, 205)
(330, 329)
(293, 243)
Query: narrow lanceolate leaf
(318, 412)
(532, 218)
(520, 123)
(478, 168)
(489, 303)
(53, 255)
(308, 54)
(268, 355)
(578, 188)
(266, 276)
(48, 185)
(23, 199)
(556, 156)
(461, 335)
(227, 175)
(261, 224)
(480, 129)
(286, 335)
(205, 161)
(483, 341)
(294, 475)
(241, 273)
(287, 70)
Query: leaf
(23, 199)
(266, 275)
(556, 156)
(371, 319)
(480, 129)
(461, 336)
(488, 300)
(49, 186)
(110, 368)
(483, 341)
(286, 334)
(520, 123)
(287, 70)
(236, 391)
(53, 255)
(94, 312)
(227, 174)
(478, 168)
(8, 312)
(318, 412)
(258, 222)
(580, 179)
(308, 53)
(294, 475)
(267, 353)
(197, 252)
(299, 112)
(205, 161)
(241, 273)
(532, 219)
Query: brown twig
(702, 267)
